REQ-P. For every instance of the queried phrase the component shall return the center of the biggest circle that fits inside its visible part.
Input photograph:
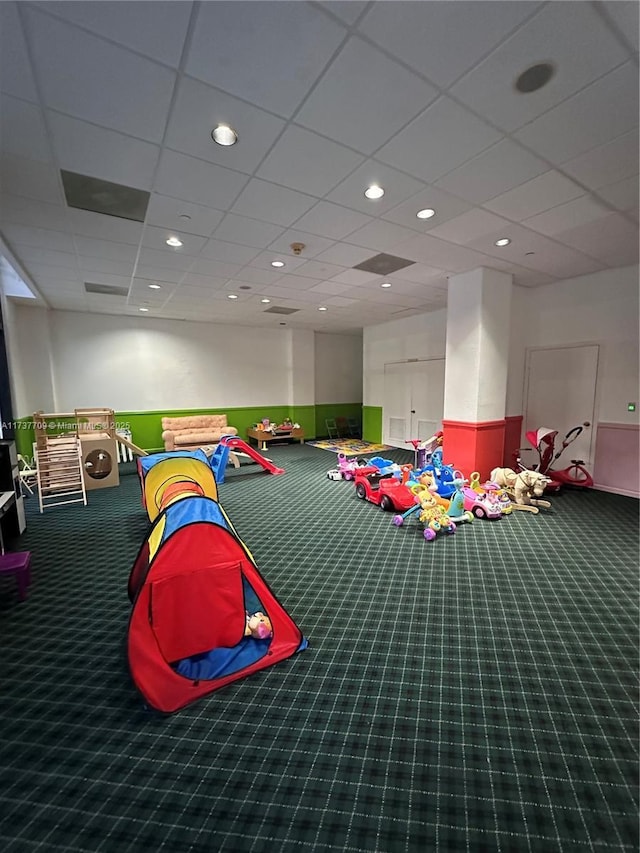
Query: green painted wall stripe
(372, 424)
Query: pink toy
(258, 626)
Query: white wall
(601, 308)
(30, 358)
(338, 368)
(419, 337)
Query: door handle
(413, 411)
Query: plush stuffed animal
(526, 487)
(258, 626)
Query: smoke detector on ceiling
(297, 248)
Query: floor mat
(349, 446)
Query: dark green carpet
(474, 693)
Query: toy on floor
(384, 490)
(492, 488)
(258, 626)
(543, 441)
(423, 449)
(430, 513)
(525, 488)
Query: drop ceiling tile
(89, 247)
(445, 205)
(155, 237)
(229, 253)
(470, 225)
(442, 40)
(271, 203)
(611, 237)
(263, 261)
(345, 104)
(623, 194)
(197, 181)
(304, 161)
(625, 19)
(27, 211)
(168, 259)
(569, 129)
(86, 223)
(158, 36)
(312, 245)
(166, 212)
(99, 153)
(71, 71)
(347, 12)
(248, 232)
(438, 253)
(535, 196)
(571, 35)
(295, 282)
(255, 276)
(199, 108)
(267, 59)
(607, 163)
(421, 274)
(22, 130)
(572, 214)
(379, 236)
(453, 133)
(203, 282)
(16, 77)
(397, 185)
(332, 287)
(40, 238)
(498, 169)
(29, 178)
(155, 273)
(332, 220)
(356, 278)
(344, 255)
(340, 302)
(319, 269)
(89, 266)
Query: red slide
(234, 443)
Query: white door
(413, 401)
(560, 394)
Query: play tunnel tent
(192, 585)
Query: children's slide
(231, 442)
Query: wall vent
(278, 309)
(99, 196)
(105, 289)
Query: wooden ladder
(59, 467)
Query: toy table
(263, 436)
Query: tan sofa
(193, 431)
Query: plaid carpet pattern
(477, 693)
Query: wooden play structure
(83, 457)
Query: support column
(302, 380)
(476, 367)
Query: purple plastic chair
(17, 563)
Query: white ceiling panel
(438, 141)
(433, 40)
(498, 169)
(345, 103)
(332, 220)
(327, 99)
(22, 130)
(91, 150)
(198, 181)
(569, 129)
(574, 31)
(267, 56)
(308, 163)
(541, 193)
(200, 108)
(158, 36)
(148, 86)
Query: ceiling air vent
(98, 196)
(383, 264)
(278, 309)
(105, 289)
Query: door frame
(596, 391)
(399, 363)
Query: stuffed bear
(258, 626)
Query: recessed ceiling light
(322, 308)
(386, 284)
(265, 300)
(224, 135)
(534, 77)
(155, 287)
(427, 213)
(143, 309)
(503, 241)
(175, 242)
(277, 264)
(374, 191)
(231, 296)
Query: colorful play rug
(349, 446)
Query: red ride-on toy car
(384, 490)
